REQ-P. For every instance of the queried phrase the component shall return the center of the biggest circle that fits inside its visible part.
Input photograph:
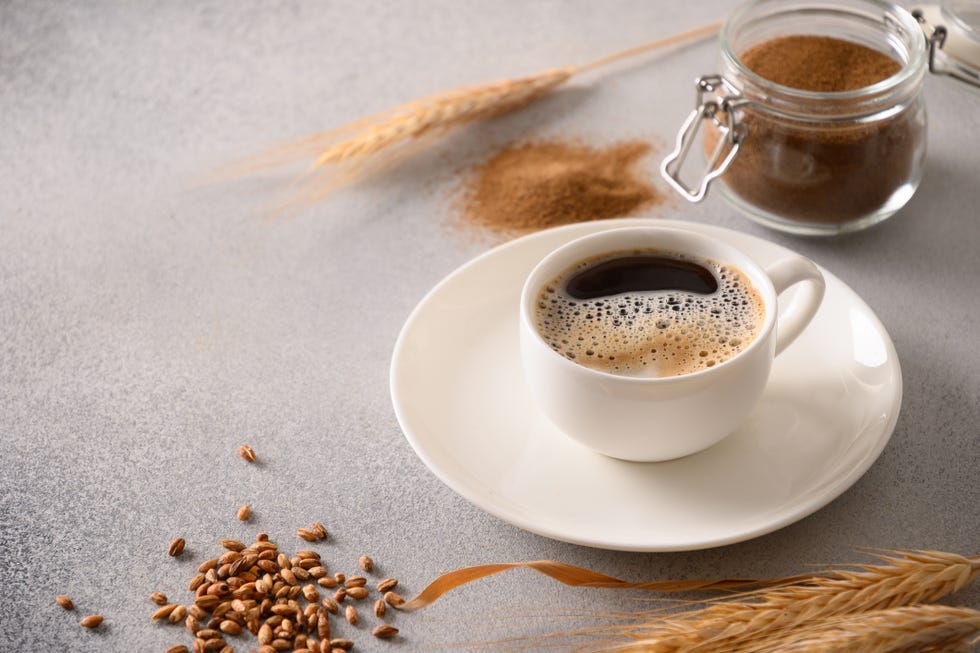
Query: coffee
(649, 313)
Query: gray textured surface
(150, 324)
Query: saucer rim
(838, 484)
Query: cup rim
(757, 276)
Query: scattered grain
(366, 563)
(355, 581)
(232, 545)
(208, 565)
(358, 593)
(247, 452)
(65, 602)
(350, 613)
(307, 535)
(258, 589)
(178, 615)
(310, 593)
(243, 513)
(192, 624)
(91, 621)
(394, 600)
(176, 547)
(163, 612)
(384, 631)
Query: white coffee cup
(651, 418)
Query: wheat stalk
(910, 628)
(905, 629)
(345, 153)
(914, 577)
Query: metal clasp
(725, 101)
(941, 63)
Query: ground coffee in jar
(816, 125)
(803, 172)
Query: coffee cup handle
(795, 317)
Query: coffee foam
(652, 334)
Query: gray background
(150, 323)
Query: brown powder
(822, 172)
(819, 63)
(542, 184)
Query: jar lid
(952, 29)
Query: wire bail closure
(940, 62)
(724, 102)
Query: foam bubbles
(652, 334)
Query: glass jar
(808, 162)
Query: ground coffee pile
(541, 184)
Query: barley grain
(230, 627)
(355, 581)
(163, 612)
(310, 593)
(384, 631)
(318, 571)
(247, 452)
(91, 621)
(394, 599)
(192, 624)
(305, 534)
(178, 614)
(358, 593)
(176, 547)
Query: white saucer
(458, 391)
